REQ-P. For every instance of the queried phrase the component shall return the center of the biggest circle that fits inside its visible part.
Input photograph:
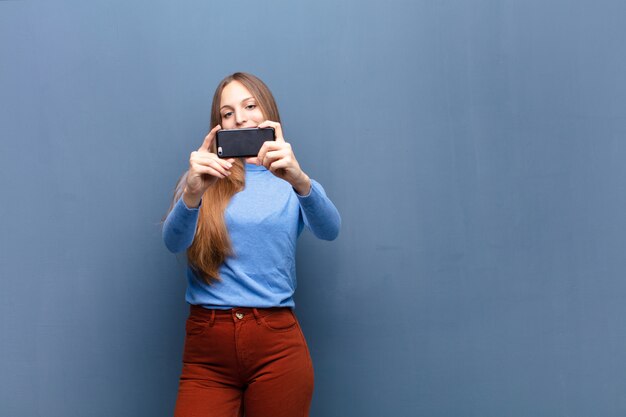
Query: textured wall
(475, 150)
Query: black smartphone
(238, 143)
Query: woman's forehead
(233, 93)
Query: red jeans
(245, 360)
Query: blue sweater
(264, 221)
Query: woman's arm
(319, 213)
(205, 168)
(179, 227)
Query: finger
(280, 164)
(273, 156)
(253, 160)
(206, 158)
(267, 147)
(212, 163)
(208, 140)
(278, 130)
(212, 172)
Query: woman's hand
(204, 170)
(277, 156)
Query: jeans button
(239, 315)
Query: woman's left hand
(277, 156)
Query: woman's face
(238, 108)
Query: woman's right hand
(204, 169)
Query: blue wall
(474, 148)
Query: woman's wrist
(191, 200)
(302, 185)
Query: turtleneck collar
(254, 167)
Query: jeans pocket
(280, 321)
(193, 327)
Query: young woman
(239, 221)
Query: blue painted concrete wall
(475, 150)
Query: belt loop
(257, 316)
(212, 318)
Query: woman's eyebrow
(244, 100)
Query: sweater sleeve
(179, 227)
(319, 213)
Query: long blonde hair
(211, 245)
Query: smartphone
(238, 143)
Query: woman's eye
(251, 106)
(227, 115)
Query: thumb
(208, 140)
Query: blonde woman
(238, 220)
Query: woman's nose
(239, 118)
